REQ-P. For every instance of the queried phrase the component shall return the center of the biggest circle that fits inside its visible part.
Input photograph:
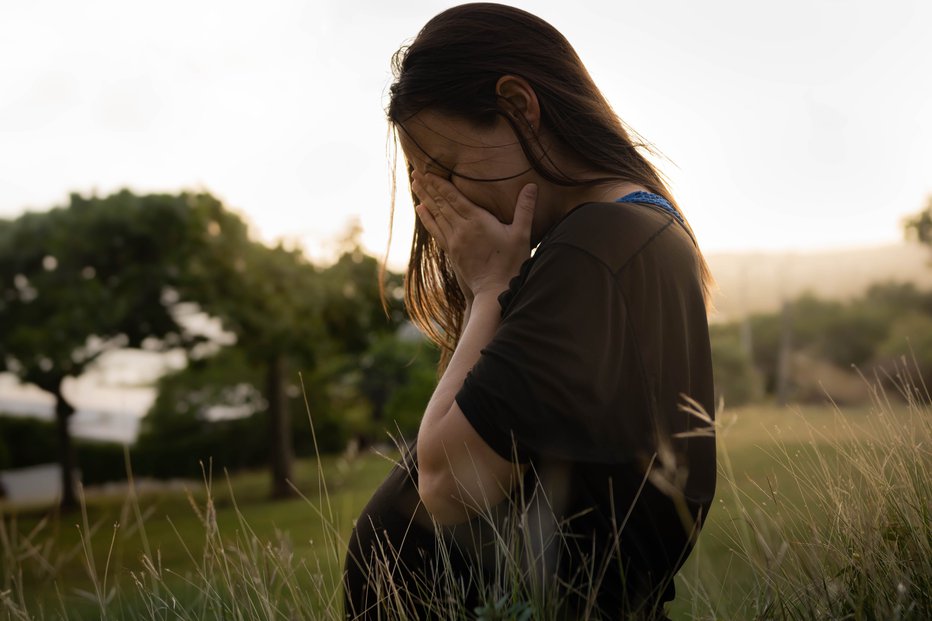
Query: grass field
(801, 493)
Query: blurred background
(195, 202)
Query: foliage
(866, 332)
(406, 404)
(28, 441)
(736, 379)
(919, 226)
(352, 310)
(227, 445)
(289, 316)
(91, 277)
(908, 349)
(765, 347)
(97, 275)
(101, 462)
(395, 376)
(321, 322)
(214, 387)
(503, 609)
(124, 270)
(213, 411)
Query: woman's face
(486, 165)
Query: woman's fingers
(430, 223)
(433, 202)
(524, 210)
(486, 253)
(448, 209)
(444, 196)
(447, 196)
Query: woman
(564, 442)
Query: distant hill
(758, 282)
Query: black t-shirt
(603, 334)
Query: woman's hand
(485, 253)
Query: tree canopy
(919, 225)
(96, 275)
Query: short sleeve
(559, 378)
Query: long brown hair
(452, 66)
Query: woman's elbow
(439, 499)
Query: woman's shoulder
(617, 233)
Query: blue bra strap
(653, 199)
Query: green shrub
(910, 341)
(29, 441)
(737, 381)
(232, 444)
(100, 462)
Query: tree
(370, 359)
(906, 356)
(97, 275)
(736, 379)
(215, 407)
(353, 314)
(212, 408)
(115, 272)
(288, 314)
(919, 226)
(270, 298)
(396, 376)
(325, 322)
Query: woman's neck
(555, 201)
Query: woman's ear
(521, 100)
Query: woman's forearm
(459, 472)
(480, 321)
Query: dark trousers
(396, 566)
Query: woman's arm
(459, 474)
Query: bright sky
(800, 124)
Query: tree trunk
(785, 356)
(281, 455)
(66, 458)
